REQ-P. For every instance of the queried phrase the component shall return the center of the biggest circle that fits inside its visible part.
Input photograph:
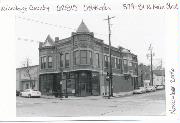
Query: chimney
(56, 39)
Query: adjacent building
(80, 63)
(27, 77)
(145, 74)
(159, 77)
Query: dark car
(17, 93)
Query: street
(147, 104)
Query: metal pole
(61, 74)
(66, 96)
(151, 69)
(110, 66)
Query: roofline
(25, 67)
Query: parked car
(139, 90)
(159, 87)
(150, 89)
(17, 93)
(30, 93)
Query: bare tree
(28, 72)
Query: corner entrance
(87, 83)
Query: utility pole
(151, 55)
(110, 66)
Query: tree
(28, 72)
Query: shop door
(83, 84)
(83, 89)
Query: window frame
(76, 57)
(67, 64)
(81, 62)
(90, 57)
(97, 60)
(43, 62)
(61, 60)
(50, 64)
(106, 61)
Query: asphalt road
(148, 104)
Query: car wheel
(29, 95)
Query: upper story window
(120, 65)
(125, 65)
(61, 60)
(90, 57)
(67, 60)
(127, 56)
(130, 63)
(106, 61)
(49, 61)
(97, 60)
(113, 62)
(43, 62)
(83, 55)
(116, 63)
(76, 57)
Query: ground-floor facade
(84, 83)
(26, 84)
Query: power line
(28, 40)
(50, 24)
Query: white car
(150, 88)
(159, 87)
(30, 93)
(139, 90)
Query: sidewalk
(74, 97)
(116, 95)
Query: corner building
(82, 62)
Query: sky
(134, 30)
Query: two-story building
(82, 62)
(27, 77)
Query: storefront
(75, 83)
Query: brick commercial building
(82, 62)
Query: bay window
(83, 55)
(49, 61)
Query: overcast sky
(134, 30)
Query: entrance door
(83, 85)
(83, 89)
